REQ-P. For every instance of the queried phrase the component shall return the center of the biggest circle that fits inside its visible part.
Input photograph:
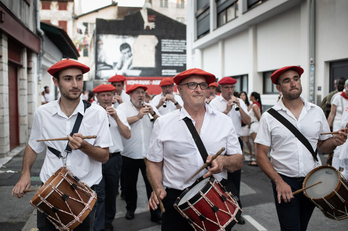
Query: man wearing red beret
(107, 189)
(291, 160)
(56, 119)
(211, 92)
(167, 101)
(140, 117)
(120, 95)
(173, 156)
(236, 109)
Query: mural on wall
(142, 45)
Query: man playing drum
(291, 160)
(173, 156)
(56, 119)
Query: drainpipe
(41, 34)
(312, 51)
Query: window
(64, 25)
(180, 4)
(164, 3)
(242, 83)
(226, 11)
(89, 27)
(268, 86)
(62, 5)
(254, 3)
(180, 19)
(202, 17)
(46, 5)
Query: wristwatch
(154, 113)
(176, 103)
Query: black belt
(114, 154)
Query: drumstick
(206, 164)
(66, 138)
(31, 190)
(153, 188)
(329, 133)
(300, 190)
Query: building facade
(248, 40)
(20, 47)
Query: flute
(149, 114)
(236, 107)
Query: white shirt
(219, 103)
(51, 122)
(289, 156)
(125, 98)
(170, 105)
(115, 133)
(172, 143)
(136, 146)
(338, 100)
(47, 98)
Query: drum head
(329, 178)
(194, 190)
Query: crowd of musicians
(158, 139)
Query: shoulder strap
(294, 130)
(77, 123)
(196, 138)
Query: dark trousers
(236, 176)
(43, 224)
(129, 175)
(107, 191)
(295, 214)
(172, 219)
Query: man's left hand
(341, 137)
(216, 166)
(76, 142)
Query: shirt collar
(280, 105)
(57, 110)
(184, 113)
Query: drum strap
(294, 130)
(75, 129)
(196, 138)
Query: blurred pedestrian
(46, 97)
(255, 115)
(245, 130)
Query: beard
(71, 97)
(292, 95)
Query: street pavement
(256, 196)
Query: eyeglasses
(139, 92)
(193, 85)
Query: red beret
(227, 80)
(194, 71)
(280, 71)
(134, 87)
(166, 81)
(65, 64)
(104, 88)
(213, 84)
(117, 78)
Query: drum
(64, 199)
(207, 206)
(330, 196)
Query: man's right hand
(23, 183)
(153, 201)
(143, 111)
(284, 192)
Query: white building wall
(331, 39)
(237, 55)
(278, 41)
(270, 36)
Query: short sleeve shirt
(289, 156)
